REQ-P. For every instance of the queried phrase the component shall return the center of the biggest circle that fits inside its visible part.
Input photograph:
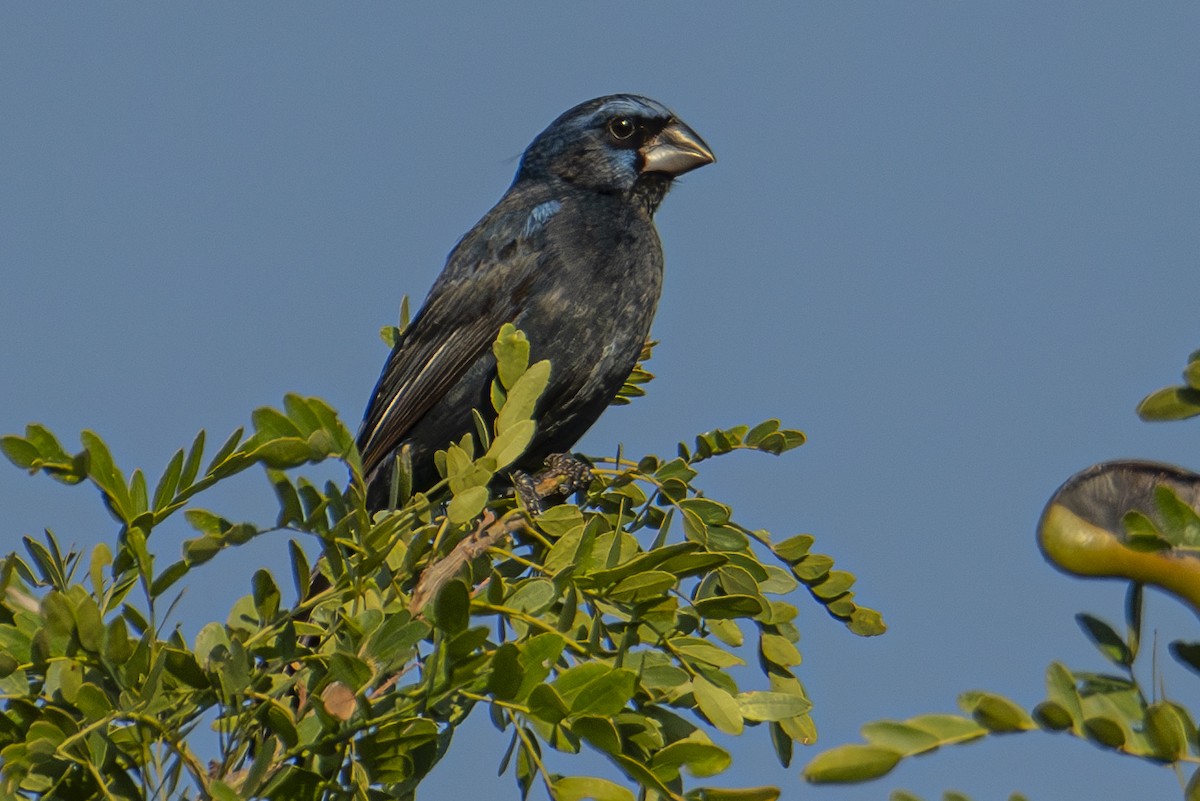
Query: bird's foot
(563, 475)
(525, 488)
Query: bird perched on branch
(571, 257)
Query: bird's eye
(622, 128)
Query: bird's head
(616, 143)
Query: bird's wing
(456, 326)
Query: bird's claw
(563, 475)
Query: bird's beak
(675, 150)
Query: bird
(569, 255)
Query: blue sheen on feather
(539, 216)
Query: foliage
(1178, 402)
(611, 623)
(1152, 539)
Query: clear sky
(954, 243)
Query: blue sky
(954, 243)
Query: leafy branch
(596, 624)
(1132, 520)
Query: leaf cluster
(1175, 402)
(1111, 710)
(614, 623)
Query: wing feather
(453, 330)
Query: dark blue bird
(571, 257)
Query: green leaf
(138, 499)
(1187, 653)
(761, 431)
(266, 595)
(1166, 730)
(1104, 731)
(833, 584)
(699, 757)
(779, 650)
(504, 681)
(782, 742)
(1051, 715)
(1061, 690)
(201, 549)
(92, 702)
(392, 643)
(164, 491)
(46, 443)
(1191, 373)
(709, 511)
(646, 586)
(812, 567)
(466, 505)
(1182, 523)
(760, 705)
(558, 520)
(547, 705)
(1192, 791)
(1170, 403)
(47, 561)
(291, 510)
(191, 465)
(63, 677)
(511, 349)
(538, 655)
(222, 791)
(901, 737)
(866, 622)
(850, 763)
(163, 581)
(794, 548)
(452, 607)
(274, 424)
(222, 462)
(726, 607)
(532, 596)
(995, 712)
(57, 614)
(576, 788)
(637, 771)
(593, 688)
(350, 670)
(301, 572)
(739, 794)
(700, 650)
(117, 645)
(948, 728)
(104, 472)
(676, 469)
(206, 522)
(284, 453)
(183, 666)
(523, 397)
(1106, 639)
(8, 664)
(717, 705)
(508, 445)
(689, 564)
(599, 732)
(1134, 596)
(781, 441)
(21, 452)
(293, 783)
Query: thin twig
(486, 534)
